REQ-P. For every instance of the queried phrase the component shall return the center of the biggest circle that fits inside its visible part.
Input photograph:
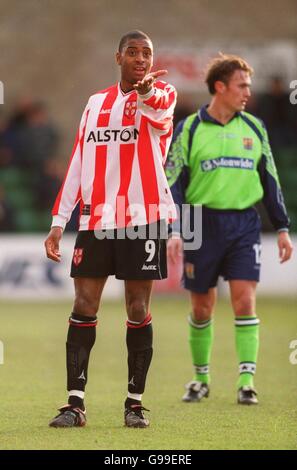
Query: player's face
(135, 60)
(238, 91)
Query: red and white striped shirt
(116, 168)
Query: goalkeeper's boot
(195, 391)
(134, 417)
(69, 417)
(247, 395)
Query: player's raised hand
(285, 246)
(174, 249)
(145, 85)
(52, 244)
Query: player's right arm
(178, 175)
(273, 199)
(156, 103)
(69, 194)
(52, 244)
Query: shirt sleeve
(158, 105)
(273, 197)
(70, 194)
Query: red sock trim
(146, 321)
(83, 325)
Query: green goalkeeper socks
(201, 339)
(247, 345)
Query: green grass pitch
(32, 381)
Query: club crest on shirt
(77, 256)
(130, 109)
(247, 143)
(190, 270)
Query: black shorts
(115, 253)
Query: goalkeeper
(220, 158)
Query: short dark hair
(136, 34)
(221, 69)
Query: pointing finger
(159, 73)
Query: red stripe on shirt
(163, 142)
(104, 114)
(123, 217)
(82, 139)
(161, 102)
(98, 193)
(161, 85)
(161, 125)
(147, 168)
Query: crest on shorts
(247, 143)
(190, 270)
(130, 109)
(77, 256)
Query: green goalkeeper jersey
(224, 166)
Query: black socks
(80, 340)
(139, 341)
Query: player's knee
(137, 310)
(244, 306)
(85, 305)
(202, 311)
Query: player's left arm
(156, 102)
(273, 199)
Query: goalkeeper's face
(135, 60)
(237, 91)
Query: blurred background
(55, 54)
